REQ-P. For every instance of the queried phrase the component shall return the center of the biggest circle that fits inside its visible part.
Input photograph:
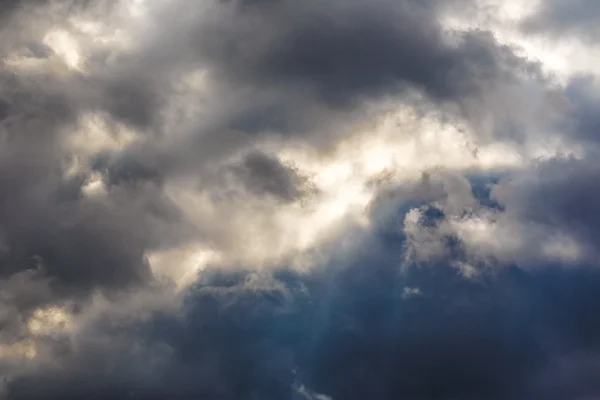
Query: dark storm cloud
(21, 294)
(133, 101)
(78, 244)
(582, 121)
(350, 51)
(58, 245)
(30, 179)
(121, 170)
(4, 109)
(7, 7)
(566, 17)
(349, 332)
(345, 329)
(264, 174)
(304, 70)
(559, 194)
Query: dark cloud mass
(304, 200)
(265, 175)
(562, 17)
(346, 52)
(352, 334)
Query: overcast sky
(299, 199)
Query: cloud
(346, 333)
(269, 199)
(263, 174)
(569, 209)
(582, 122)
(558, 17)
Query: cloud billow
(275, 199)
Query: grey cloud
(32, 219)
(22, 293)
(8, 7)
(542, 215)
(347, 331)
(346, 52)
(304, 71)
(558, 194)
(133, 101)
(83, 244)
(264, 174)
(4, 109)
(297, 71)
(581, 122)
(121, 170)
(566, 17)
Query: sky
(299, 199)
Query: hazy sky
(299, 199)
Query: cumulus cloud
(273, 199)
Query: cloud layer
(273, 199)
